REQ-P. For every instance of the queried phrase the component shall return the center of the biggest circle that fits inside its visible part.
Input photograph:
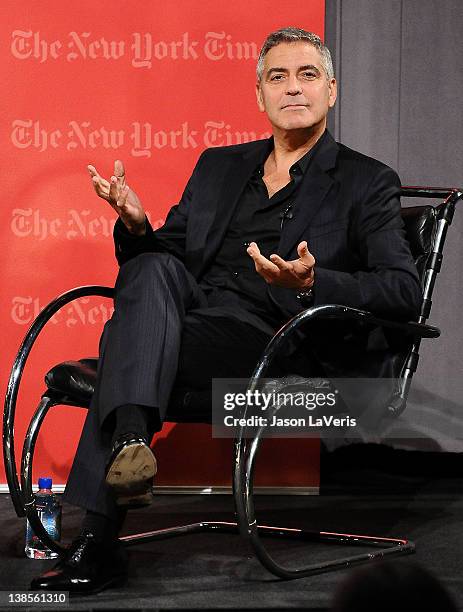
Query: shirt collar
(299, 167)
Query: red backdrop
(151, 83)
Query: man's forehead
(292, 54)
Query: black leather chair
(72, 384)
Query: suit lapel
(312, 193)
(227, 199)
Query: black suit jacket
(347, 208)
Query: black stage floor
(365, 489)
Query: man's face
(294, 90)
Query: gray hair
(288, 35)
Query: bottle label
(49, 513)
(52, 523)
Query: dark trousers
(165, 333)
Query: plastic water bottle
(49, 511)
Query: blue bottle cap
(45, 483)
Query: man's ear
(260, 100)
(333, 87)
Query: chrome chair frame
(245, 449)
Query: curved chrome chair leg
(246, 453)
(14, 382)
(243, 476)
(26, 473)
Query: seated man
(262, 230)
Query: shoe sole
(131, 474)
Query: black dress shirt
(232, 278)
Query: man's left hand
(295, 274)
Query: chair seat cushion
(75, 379)
(75, 382)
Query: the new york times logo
(143, 138)
(140, 49)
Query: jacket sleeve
(170, 238)
(388, 285)
(387, 282)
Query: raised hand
(123, 199)
(295, 274)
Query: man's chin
(296, 125)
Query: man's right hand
(123, 199)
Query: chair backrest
(426, 230)
(420, 228)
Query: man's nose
(293, 86)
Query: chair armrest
(15, 379)
(339, 312)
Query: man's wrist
(137, 230)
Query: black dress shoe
(130, 470)
(88, 566)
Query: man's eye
(309, 74)
(276, 77)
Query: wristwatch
(306, 297)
